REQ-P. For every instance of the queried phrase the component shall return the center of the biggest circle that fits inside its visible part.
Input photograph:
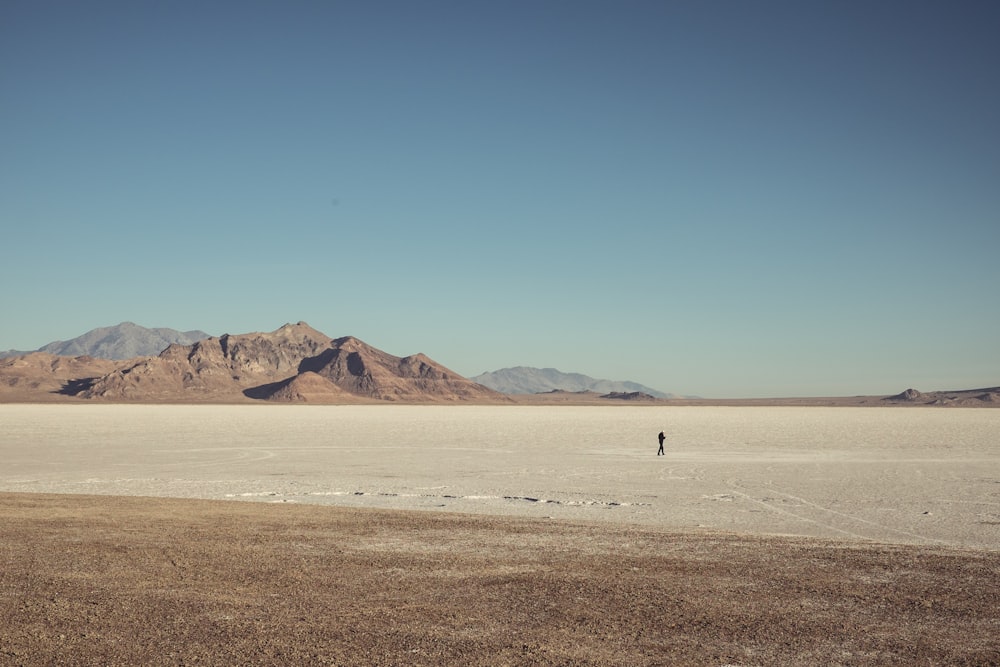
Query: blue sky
(716, 198)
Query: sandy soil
(124, 581)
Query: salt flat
(902, 475)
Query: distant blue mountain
(527, 380)
(123, 341)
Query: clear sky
(719, 198)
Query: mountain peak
(288, 326)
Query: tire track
(735, 486)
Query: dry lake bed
(908, 476)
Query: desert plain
(487, 535)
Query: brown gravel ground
(88, 580)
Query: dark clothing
(662, 438)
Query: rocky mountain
(528, 380)
(295, 363)
(123, 341)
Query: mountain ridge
(122, 341)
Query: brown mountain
(362, 370)
(295, 363)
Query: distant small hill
(528, 380)
(122, 341)
(629, 396)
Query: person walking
(662, 438)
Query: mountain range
(294, 363)
(129, 341)
(528, 380)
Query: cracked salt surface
(929, 476)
